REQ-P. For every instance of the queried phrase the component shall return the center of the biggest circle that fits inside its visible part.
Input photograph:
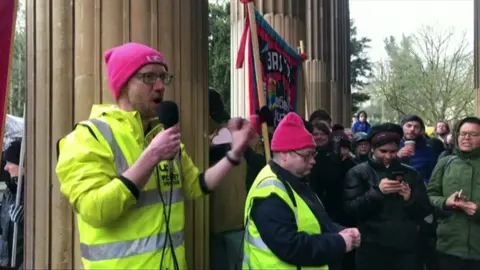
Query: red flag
(8, 15)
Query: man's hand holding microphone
(166, 144)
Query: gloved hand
(266, 115)
(16, 213)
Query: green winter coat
(457, 234)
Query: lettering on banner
(279, 81)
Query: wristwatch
(232, 159)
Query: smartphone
(397, 175)
(459, 195)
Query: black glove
(266, 115)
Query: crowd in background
(413, 197)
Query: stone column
(287, 17)
(343, 21)
(328, 64)
(317, 90)
(476, 40)
(66, 76)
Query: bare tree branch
(429, 74)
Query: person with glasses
(286, 224)
(454, 189)
(127, 176)
(388, 200)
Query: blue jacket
(361, 127)
(424, 159)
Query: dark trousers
(372, 257)
(449, 262)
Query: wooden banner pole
(304, 81)
(258, 74)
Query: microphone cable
(167, 220)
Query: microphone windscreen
(168, 113)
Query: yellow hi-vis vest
(256, 253)
(138, 240)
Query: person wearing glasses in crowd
(286, 224)
(454, 189)
(127, 177)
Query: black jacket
(327, 181)
(386, 220)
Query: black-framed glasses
(470, 134)
(308, 156)
(151, 78)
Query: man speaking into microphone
(126, 175)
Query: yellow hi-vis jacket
(117, 231)
(256, 253)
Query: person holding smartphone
(388, 199)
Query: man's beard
(443, 134)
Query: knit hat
(12, 154)
(123, 61)
(413, 118)
(384, 134)
(291, 135)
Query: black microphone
(168, 113)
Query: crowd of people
(413, 198)
(373, 197)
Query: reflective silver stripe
(150, 197)
(129, 248)
(272, 182)
(121, 163)
(257, 241)
(280, 185)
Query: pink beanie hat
(291, 135)
(123, 61)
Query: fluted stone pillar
(287, 17)
(476, 41)
(343, 23)
(328, 64)
(66, 75)
(317, 90)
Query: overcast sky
(378, 19)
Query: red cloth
(292, 135)
(8, 10)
